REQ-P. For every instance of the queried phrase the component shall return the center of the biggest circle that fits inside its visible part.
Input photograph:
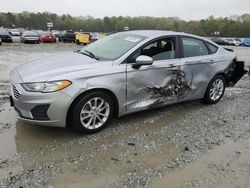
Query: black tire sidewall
(75, 116)
(207, 99)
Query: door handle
(212, 61)
(192, 62)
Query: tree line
(223, 27)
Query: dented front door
(164, 82)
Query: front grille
(16, 93)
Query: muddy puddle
(216, 169)
(109, 168)
(114, 151)
(20, 137)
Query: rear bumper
(6, 40)
(48, 39)
(235, 72)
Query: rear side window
(213, 48)
(194, 47)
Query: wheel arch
(107, 91)
(217, 74)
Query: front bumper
(48, 109)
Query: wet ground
(184, 145)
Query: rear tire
(215, 90)
(92, 112)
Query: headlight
(46, 87)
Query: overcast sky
(185, 9)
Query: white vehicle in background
(237, 41)
(14, 32)
(233, 42)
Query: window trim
(177, 46)
(209, 43)
(182, 49)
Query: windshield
(113, 46)
(14, 30)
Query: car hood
(46, 68)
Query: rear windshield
(4, 32)
(30, 33)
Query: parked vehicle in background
(38, 32)
(0, 41)
(122, 74)
(56, 33)
(67, 36)
(5, 36)
(97, 36)
(220, 41)
(47, 37)
(14, 32)
(94, 36)
(83, 38)
(231, 42)
(237, 41)
(30, 37)
(245, 42)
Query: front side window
(161, 49)
(114, 46)
(194, 47)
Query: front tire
(92, 112)
(215, 90)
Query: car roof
(157, 33)
(152, 34)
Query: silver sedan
(124, 73)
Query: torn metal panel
(235, 72)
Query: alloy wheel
(94, 113)
(216, 90)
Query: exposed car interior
(161, 49)
(157, 50)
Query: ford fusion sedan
(124, 73)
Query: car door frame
(128, 61)
(208, 61)
(177, 55)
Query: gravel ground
(184, 145)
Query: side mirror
(142, 60)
